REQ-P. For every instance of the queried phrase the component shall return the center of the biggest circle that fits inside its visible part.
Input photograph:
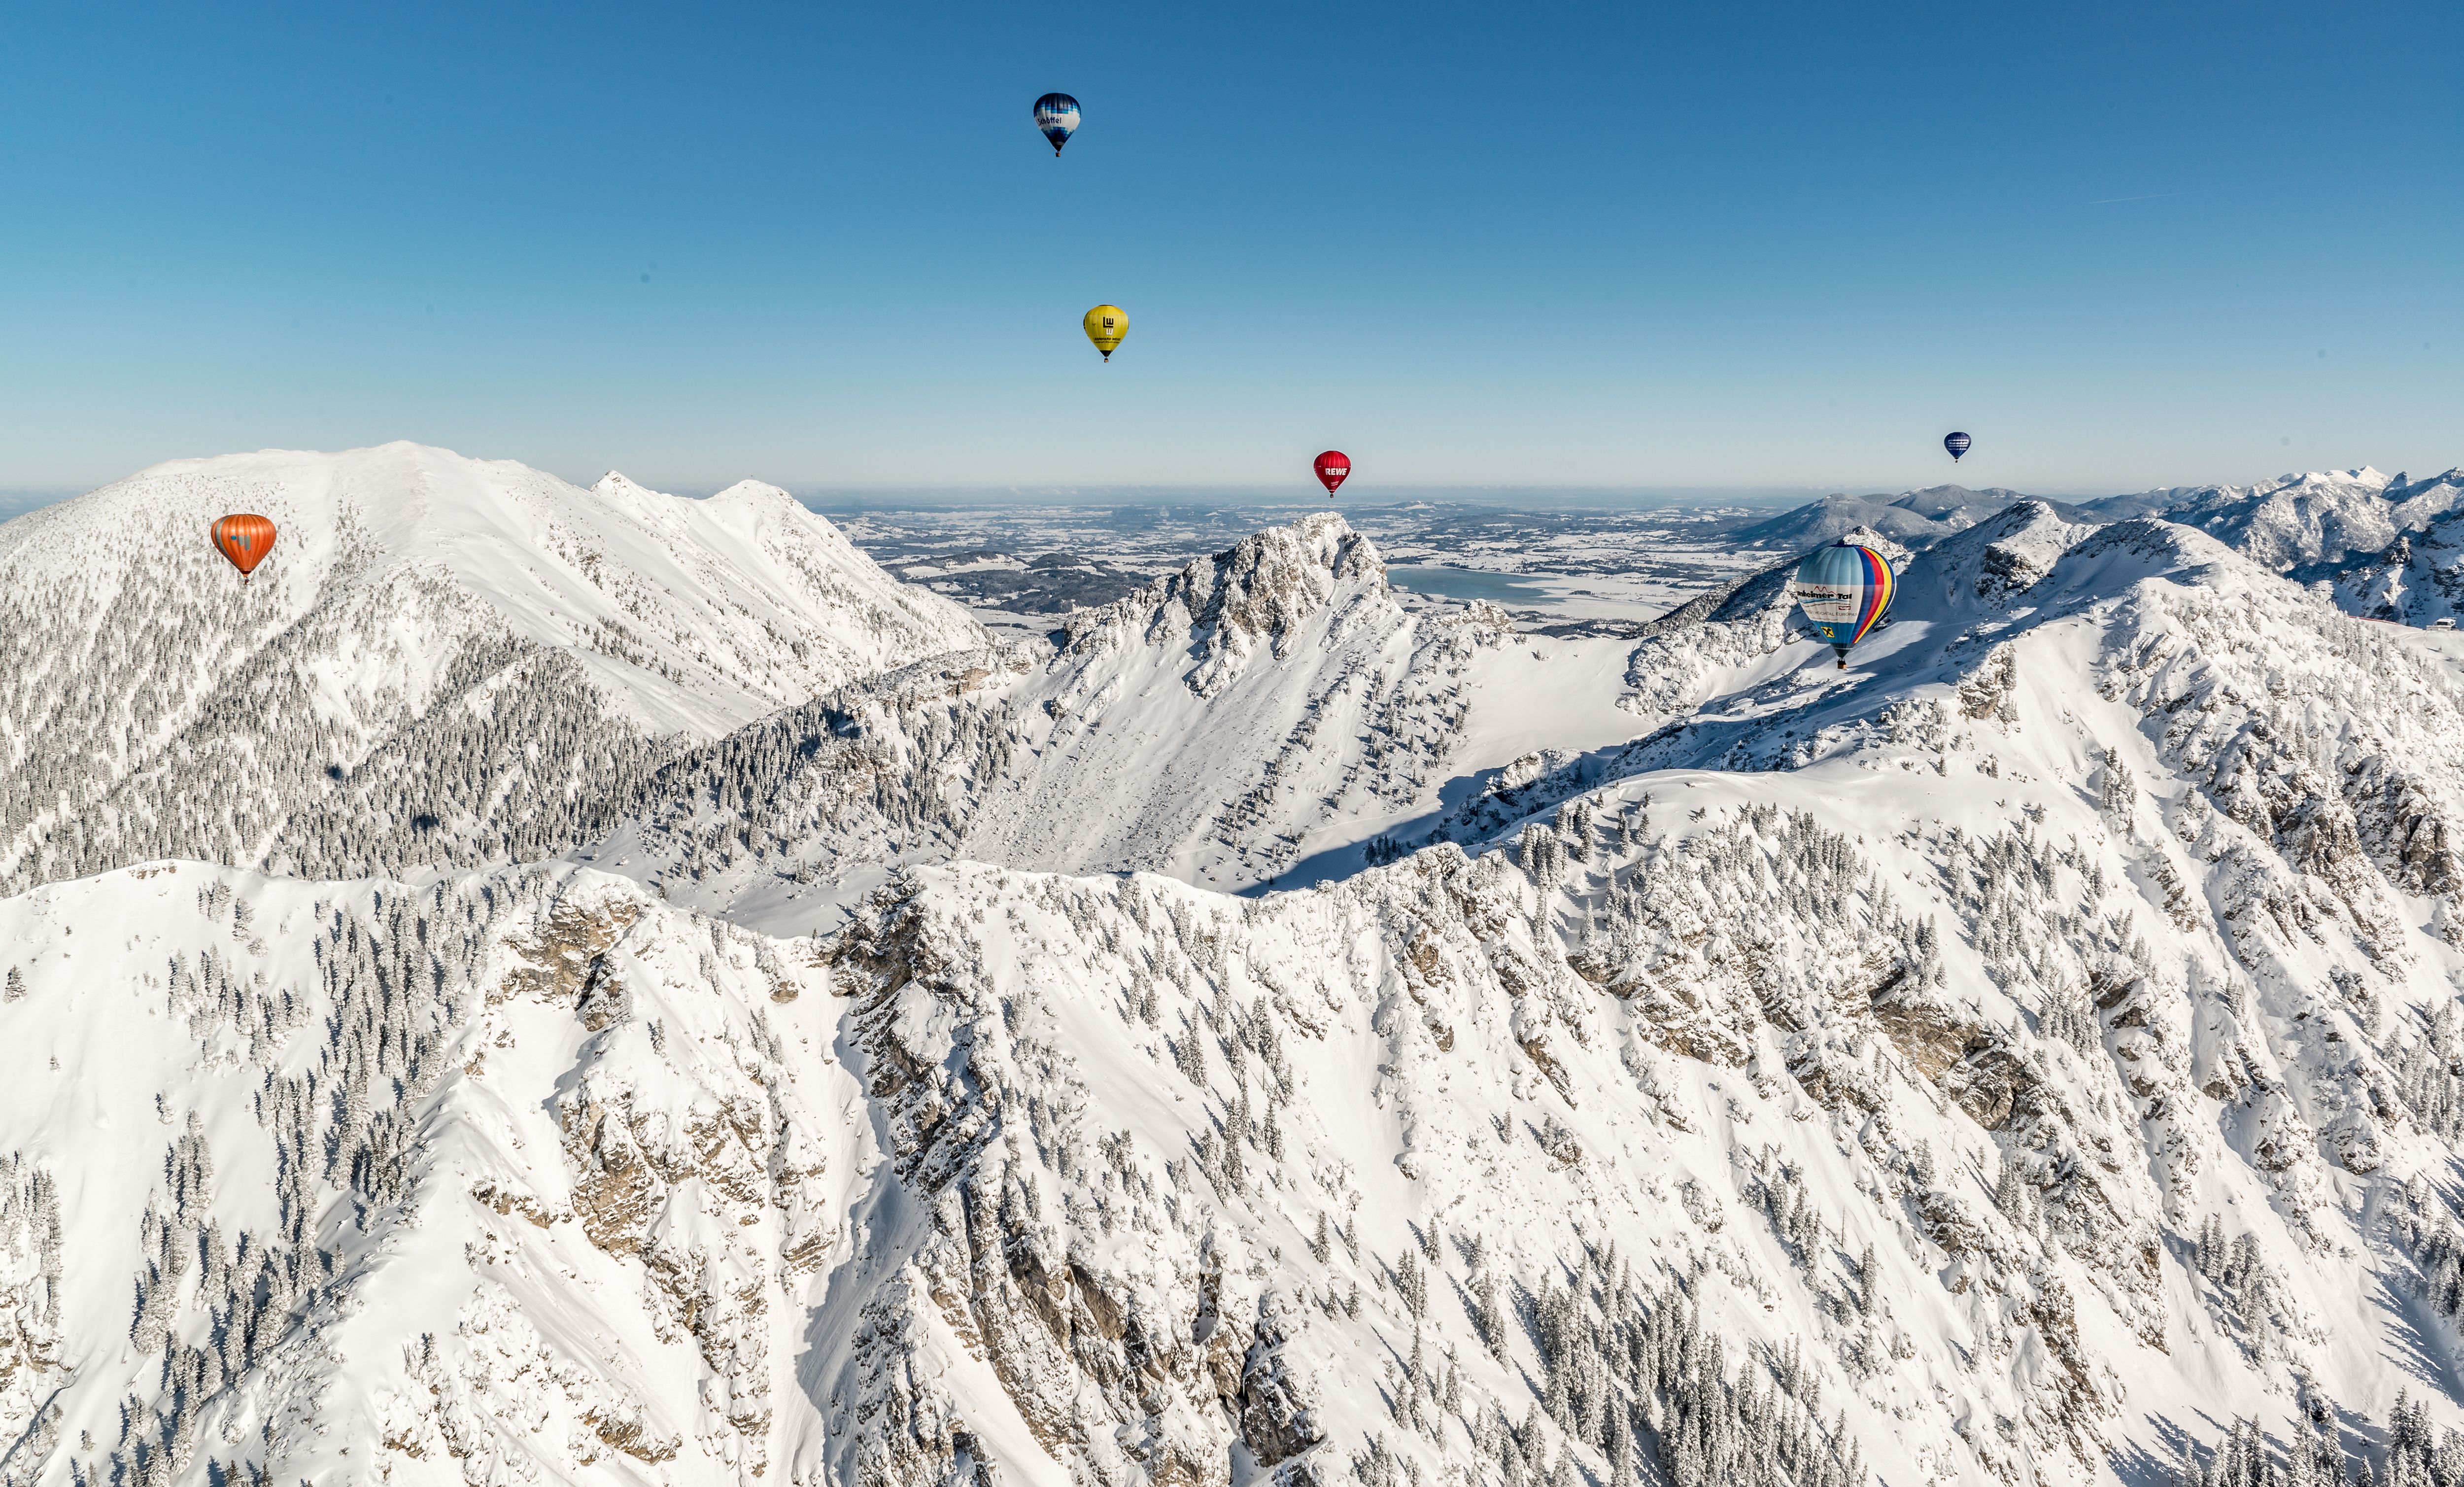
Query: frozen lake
(1452, 582)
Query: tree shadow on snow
(1471, 811)
(2137, 1466)
(2416, 1348)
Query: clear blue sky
(1752, 245)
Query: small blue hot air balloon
(1957, 444)
(1056, 114)
(1845, 592)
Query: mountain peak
(756, 493)
(618, 489)
(2025, 1053)
(2363, 476)
(1262, 588)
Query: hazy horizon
(829, 500)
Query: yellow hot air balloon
(1105, 324)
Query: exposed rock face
(1129, 1369)
(958, 1010)
(1278, 1407)
(1262, 592)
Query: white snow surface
(1916, 517)
(2015, 1057)
(153, 705)
(694, 616)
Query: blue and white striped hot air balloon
(1957, 444)
(1845, 592)
(1056, 114)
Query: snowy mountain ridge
(1263, 712)
(2417, 579)
(429, 628)
(1913, 519)
(2312, 518)
(2028, 1054)
(2298, 520)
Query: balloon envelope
(1056, 114)
(1845, 590)
(245, 539)
(1333, 468)
(1957, 444)
(1105, 324)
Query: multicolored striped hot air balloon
(1845, 590)
(244, 539)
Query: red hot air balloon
(1333, 468)
(245, 539)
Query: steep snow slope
(2321, 517)
(526, 1177)
(495, 1180)
(1266, 711)
(440, 652)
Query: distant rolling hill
(1918, 518)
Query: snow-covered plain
(2021, 1056)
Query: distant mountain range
(2292, 520)
(1918, 518)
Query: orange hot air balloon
(245, 539)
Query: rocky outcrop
(1256, 594)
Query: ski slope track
(439, 654)
(2028, 1054)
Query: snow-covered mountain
(1917, 519)
(2025, 1055)
(2294, 521)
(2319, 517)
(438, 655)
(1268, 711)
(2418, 580)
